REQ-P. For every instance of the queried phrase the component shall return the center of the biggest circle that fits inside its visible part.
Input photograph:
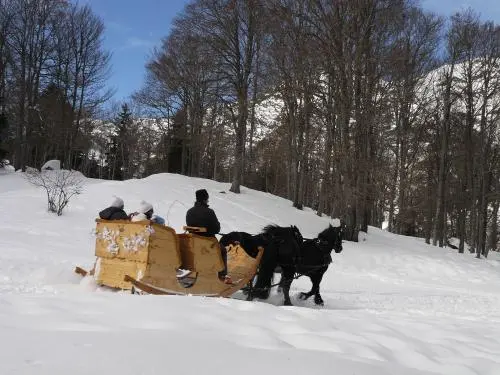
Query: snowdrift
(393, 304)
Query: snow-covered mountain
(394, 305)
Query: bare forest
(373, 111)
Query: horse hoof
(287, 303)
(319, 301)
(260, 294)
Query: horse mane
(324, 234)
(271, 228)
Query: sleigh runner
(148, 256)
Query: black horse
(272, 240)
(250, 243)
(283, 248)
(309, 258)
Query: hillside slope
(393, 304)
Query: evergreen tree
(121, 146)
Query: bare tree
(412, 56)
(231, 29)
(59, 185)
(297, 71)
(51, 51)
(447, 82)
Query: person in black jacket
(115, 211)
(203, 216)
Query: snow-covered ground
(394, 305)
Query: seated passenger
(146, 212)
(115, 211)
(202, 216)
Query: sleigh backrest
(133, 248)
(200, 254)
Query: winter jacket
(158, 220)
(155, 219)
(202, 216)
(113, 213)
(138, 217)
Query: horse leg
(280, 286)
(316, 280)
(261, 289)
(249, 290)
(287, 278)
(304, 296)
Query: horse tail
(266, 273)
(225, 240)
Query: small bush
(59, 185)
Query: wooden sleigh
(148, 256)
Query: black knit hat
(201, 195)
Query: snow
(6, 167)
(393, 304)
(335, 223)
(54, 165)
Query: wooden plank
(81, 271)
(162, 277)
(152, 289)
(200, 254)
(164, 247)
(125, 240)
(244, 265)
(110, 272)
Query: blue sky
(135, 27)
(488, 9)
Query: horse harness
(322, 244)
(324, 247)
(318, 242)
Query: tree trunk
(439, 219)
(493, 237)
(461, 230)
(241, 130)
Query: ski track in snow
(393, 304)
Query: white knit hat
(145, 207)
(117, 202)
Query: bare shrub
(59, 185)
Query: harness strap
(296, 276)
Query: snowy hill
(394, 305)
